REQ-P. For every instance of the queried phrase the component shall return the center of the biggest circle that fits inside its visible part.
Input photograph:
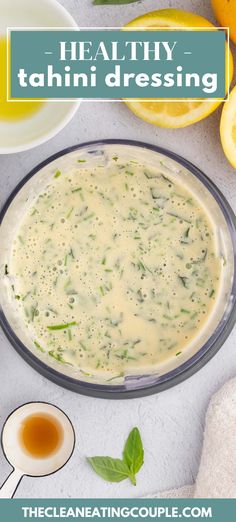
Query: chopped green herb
(184, 311)
(69, 213)
(82, 345)
(61, 326)
(184, 280)
(181, 218)
(39, 347)
(151, 175)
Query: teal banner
(108, 64)
(217, 510)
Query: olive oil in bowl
(12, 110)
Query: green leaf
(109, 2)
(133, 454)
(112, 470)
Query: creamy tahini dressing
(114, 269)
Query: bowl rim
(73, 105)
(186, 369)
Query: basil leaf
(133, 454)
(113, 470)
(109, 2)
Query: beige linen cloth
(217, 471)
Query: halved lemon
(178, 113)
(225, 13)
(228, 128)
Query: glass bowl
(218, 328)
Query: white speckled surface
(172, 422)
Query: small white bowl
(24, 463)
(19, 135)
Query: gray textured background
(171, 423)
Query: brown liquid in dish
(41, 435)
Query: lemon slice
(169, 113)
(228, 128)
(225, 13)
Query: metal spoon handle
(11, 484)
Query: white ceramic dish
(25, 464)
(17, 136)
